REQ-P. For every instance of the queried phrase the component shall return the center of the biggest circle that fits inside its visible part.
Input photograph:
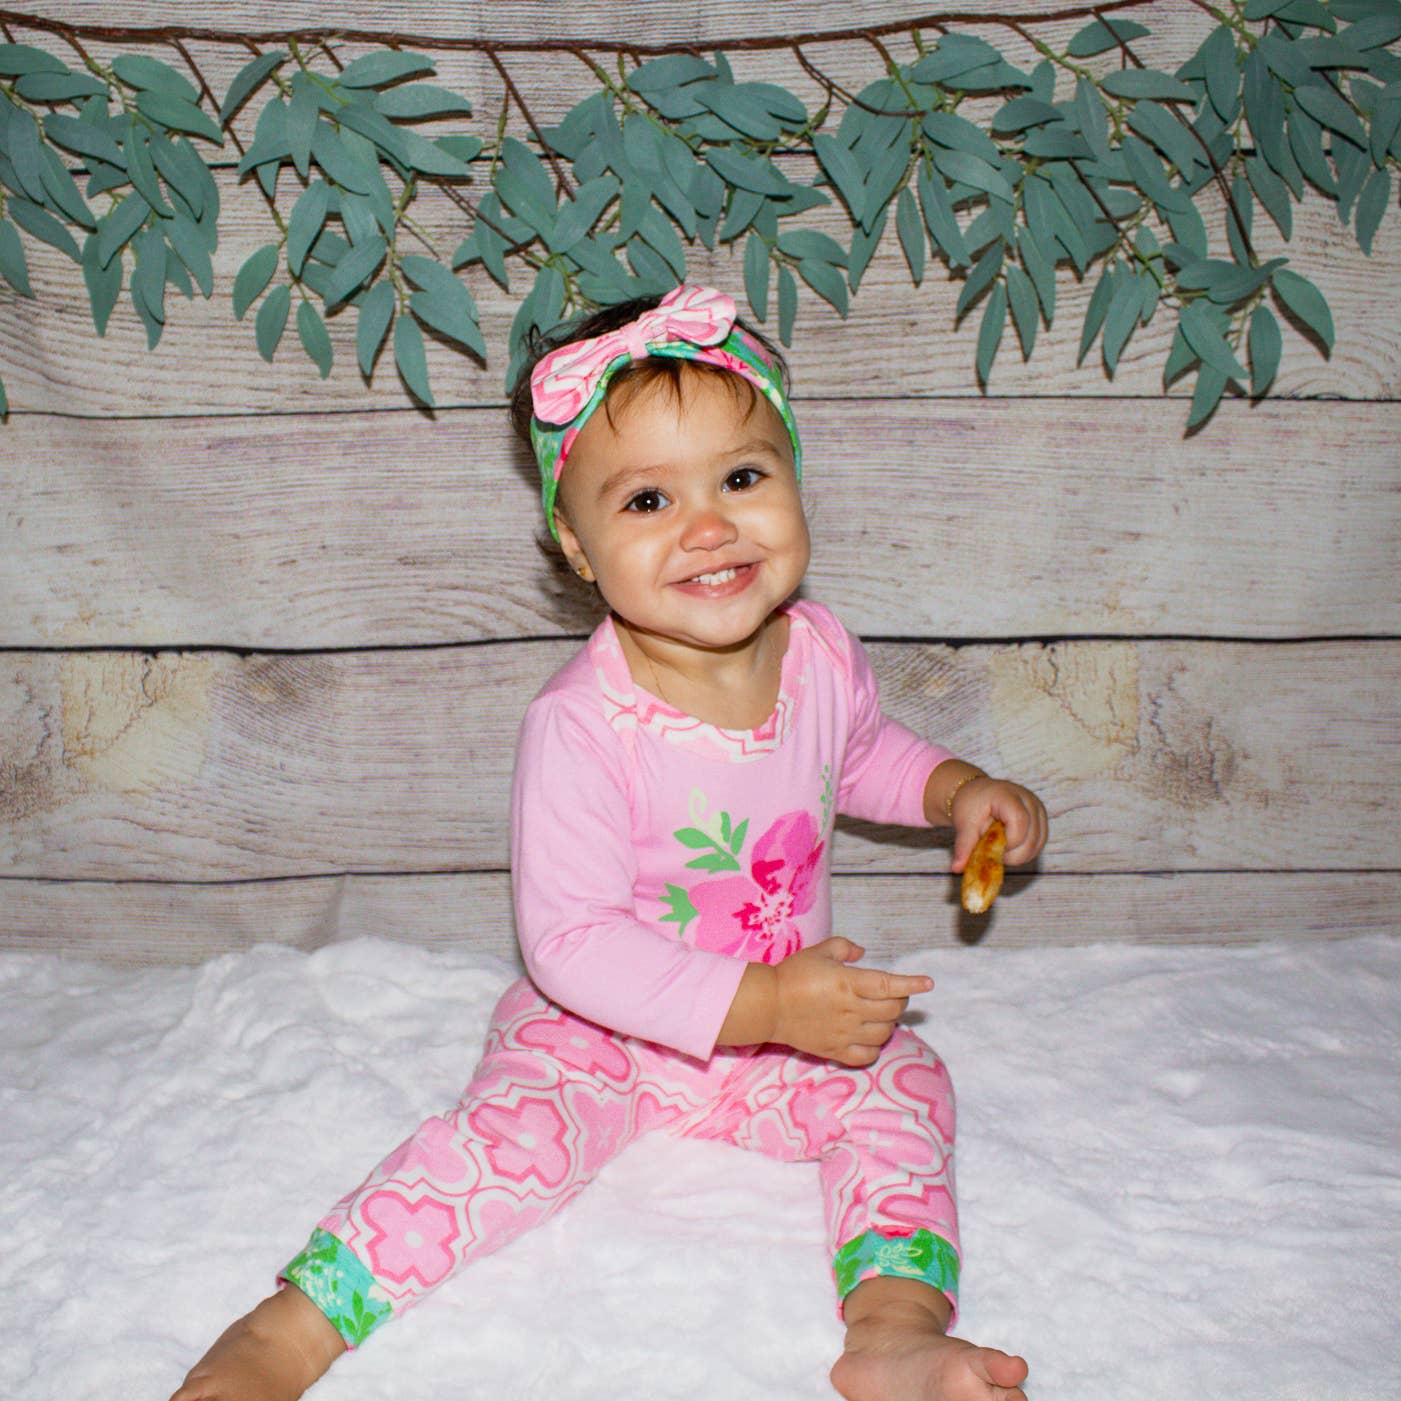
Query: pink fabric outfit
(653, 857)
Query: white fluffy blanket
(1180, 1177)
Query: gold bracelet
(967, 778)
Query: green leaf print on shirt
(682, 910)
(717, 855)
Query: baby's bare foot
(897, 1350)
(272, 1354)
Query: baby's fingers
(878, 985)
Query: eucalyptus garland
(1090, 165)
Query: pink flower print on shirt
(755, 916)
(411, 1239)
(526, 1140)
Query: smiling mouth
(718, 578)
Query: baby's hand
(829, 1009)
(978, 801)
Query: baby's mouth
(718, 576)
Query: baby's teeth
(723, 577)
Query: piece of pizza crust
(982, 876)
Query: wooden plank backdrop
(264, 639)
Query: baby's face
(687, 511)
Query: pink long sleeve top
(653, 855)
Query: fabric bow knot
(565, 380)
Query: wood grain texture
(147, 924)
(642, 21)
(949, 519)
(1150, 755)
(207, 362)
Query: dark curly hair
(631, 378)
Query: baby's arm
(962, 794)
(815, 1002)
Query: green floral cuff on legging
(920, 1255)
(333, 1277)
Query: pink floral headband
(690, 323)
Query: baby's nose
(706, 527)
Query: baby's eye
(742, 478)
(645, 502)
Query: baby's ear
(573, 550)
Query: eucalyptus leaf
(184, 237)
(1332, 111)
(415, 101)
(760, 176)
(1272, 192)
(63, 192)
(1306, 146)
(43, 226)
(1041, 269)
(315, 339)
(1205, 335)
(375, 315)
(303, 113)
(910, 227)
(104, 284)
(959, 134)
(67, 86)
(979, 279)
(117, 227)
(990, 333)
(787, 305)
(1091, 117)
(1097, 36)
(1306, 302)
(154, 325)
(18, 59)
(374, 70)
(410, 359)
(864, 243)
(1097, 310)
(271, 320)
(253, 277)
(22, 145)
(1371, 206)
(178, 115)
(940, 220)
(756, 275)
(1025, 309)
(13, 266)
(247, 81)
(1120, 321)
(151, 75)
(1170, 136)
(308, 215)
(668, 73)
(454, 316)
(334, 156)
(1023, 112)
(143, 171)
(1220, 59)
(970, 170)
(843, 171)
(1211, 385)
(826, 281)
(1265, 345)
(354, 266)
(83, 138)
(165, 156)
(148, 277)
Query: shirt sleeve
(573, 871)
(887, 764)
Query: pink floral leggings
(556, 1097)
